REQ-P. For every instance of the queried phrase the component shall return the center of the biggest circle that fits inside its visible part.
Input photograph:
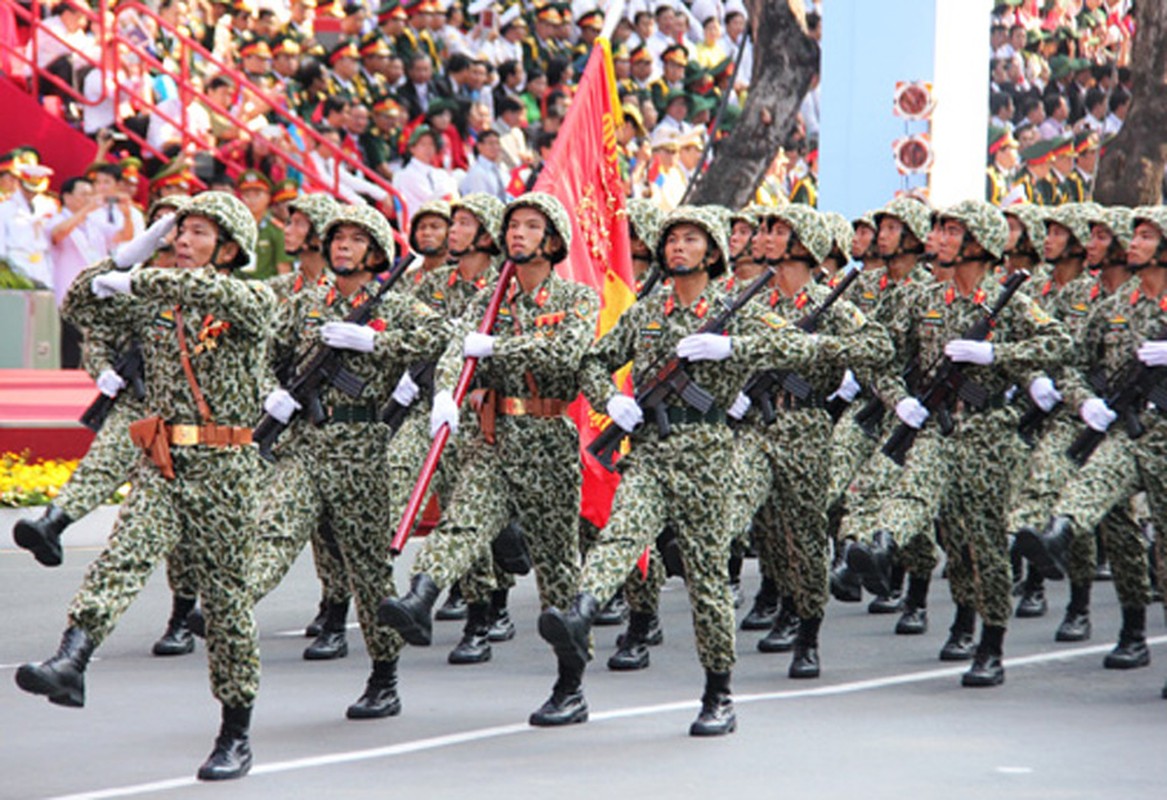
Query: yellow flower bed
(32, 483)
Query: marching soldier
(203, 336)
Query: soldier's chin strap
(540, 251)
(473, 248)
(707, 261)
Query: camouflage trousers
(1118, 470)
(110, 462)
(530, 475)
(682, 481)
(850, 448)
(641, 593)
(885, 496)
(1049, 471)
(781, 469)
(335, 476)
(209, 508)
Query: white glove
(1153, 354)
(348, 336)
(1044, 394)
(849, 388)
(406, 391)
(1095, 413)
(142, 246)
(911, 412)
(625, 412)
(106, 285)
(444, 412)
(109, 383)
(966, 351)
(477, 345)
(741, 404)
(281, 405)
(705, 347)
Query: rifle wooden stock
(469, 365)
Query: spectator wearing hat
(590, 24)
(282, 194)
(1033, 183)
(676, 107)
(663, 182)
(805, 189)
(419, 12)
(255, 190)
(344, 63)
(1002, 163)
(542, 46)
(1078, 187)
(512, 34)
(380, 142)
(24, 219)
(675, 58)
(419, 181)
(375, 53)
(642, 67)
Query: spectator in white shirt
(24, 233)
(1120, 103)
(487, 174)
(63, 46)
(331, 175)
(513, 140)
(419, 181)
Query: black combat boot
(62, 677)
(783, 632)
(380, 698)
(502, 627)
(1049, 552)
(454, 609)
(412, 615)
(653, 637)
(331, 642)
(960, 645)
(914, 619)
(42, 537)
(805, 663)
(765, 608)
(1076, 625)
(633, 644)
(614, 612)
(846, 586)
(568, 631)
(312, 630)
(1131, 651)
(873, 564)
(567, 704)
(510, 551)
(716, 717)
(987, 669)
(891, 603)
(231, 757)
(178, 640)
(1032, 603)
(475, 645)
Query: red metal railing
(108, 29)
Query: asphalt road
(887, 719)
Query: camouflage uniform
(211, 504)
(531, 472)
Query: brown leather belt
(209, 435)
(539, 407)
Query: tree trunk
(1131, 172)
(784, 63)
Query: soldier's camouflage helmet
(1075, 217)
(486, 208)
(841, 233)
(234, 220)
(866, 218)
(809, 226)
(645, 219)
(983, 222)
(1120, 220)
(1155, 215)
(751, 215)
(175, 201)
(555, 213)
(369, 218)
(707, 219)
(912, 213)
(1032, 219)
(318, 207)
(436, 208)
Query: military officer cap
(285, 45)
(391, 9)
(983, 222)
(318, 207)
(841, 234)
(709, 219)
(175, 173)
(343, 49)
(1060, 66)
(373, 44)
(640, 53)
(255, 46)
(1075, 217)
(808, 226)
(233, 218)
(914, 214)
(285, 190)
(1085, 140)
(1039, 152)
(368, 218)
(675, 54)
(511, 18)
(645, 219)
(555, 213)
(253, 179)
(486, 208)
(1032, 218)
(591, 19)
(999, 139)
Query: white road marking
(499, 731)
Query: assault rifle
(1134, 385)
(949, 383)
(660, 381)
(762, 386)
(128, 366)
(322, 367)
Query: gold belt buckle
(515, 406)
(184, 435)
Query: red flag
(583, 172)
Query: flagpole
(612, 15)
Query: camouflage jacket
(448, 293)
